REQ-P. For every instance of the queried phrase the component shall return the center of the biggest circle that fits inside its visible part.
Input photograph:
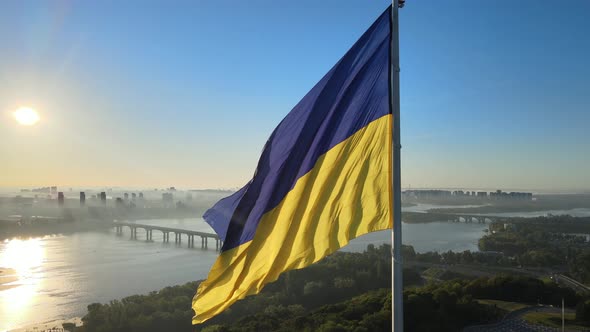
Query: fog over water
(58, 276)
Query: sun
(26, 116)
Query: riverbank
(487, 206)
(36, 230)
(421, 217)
(54, 325)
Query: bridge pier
(149, 229)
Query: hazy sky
(185, 93)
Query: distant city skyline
(73, 191)
(154, 94)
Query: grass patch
(547, 280)
(504, 305)
(437, 274)
(553, 319)
(432, 273)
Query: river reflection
(20, 261)
(56, 277)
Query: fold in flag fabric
(324, 178)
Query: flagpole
(397, 297)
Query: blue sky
(185, 93)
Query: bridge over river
(178, 233)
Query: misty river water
(58, 276)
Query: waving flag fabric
(324, 178)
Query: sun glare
(21, 259)
(26, 116)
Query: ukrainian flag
(324, 178)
